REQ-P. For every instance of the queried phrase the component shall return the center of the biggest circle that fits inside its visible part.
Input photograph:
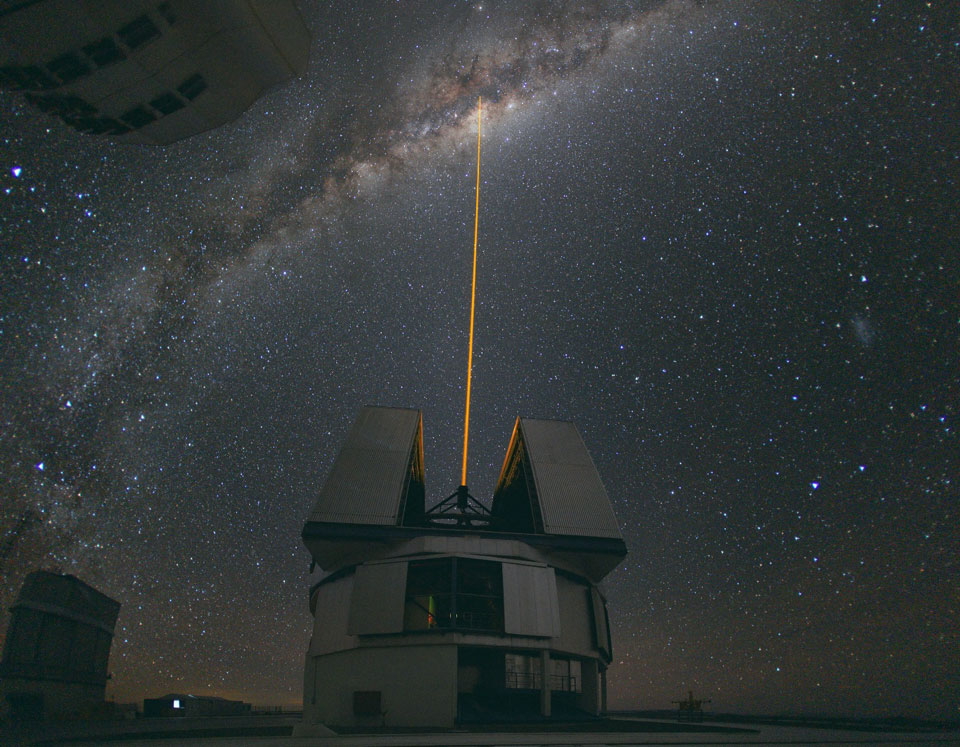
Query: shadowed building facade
(458, 613)
(57, 648)
(141, 71)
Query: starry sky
(720, 237)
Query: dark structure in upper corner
(143, 71)
(57, 648)
(458, 613)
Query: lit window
(429, 599)
(454, 593)
(176, 703)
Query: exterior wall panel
(590, 700)
(418, 686)
(530, 605)
(576, 633)
(376, 605)
(331, 618)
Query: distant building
(57, 648)
(458, 613)
(178, 704)
(690, 709)
(141, 71)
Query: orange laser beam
(473, 300)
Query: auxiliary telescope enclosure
(57, 649)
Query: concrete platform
(275, 731)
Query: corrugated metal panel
(376, 605)
(530, 605)
(68, 596)
(366, 483)
(572, 497)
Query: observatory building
(58, 644)
(141, 71)
(457, 613)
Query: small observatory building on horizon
(458, 614)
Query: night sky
(720, 237)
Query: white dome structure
(458, 614)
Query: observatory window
(29, 78)
(479, 594)
(167, 13)
(566, 675)
(68, 67)
(85, 124)
(522, 672)
(67, 107)
(454, 594)
(99, 125)
(104, 52)
(428, 603)
(192, 87)
(138, 117)
(167, 103)
(138, 32)
(113, 127)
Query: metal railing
(533, 681)
(451, 612)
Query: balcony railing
(533, 681)
(465, 612)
